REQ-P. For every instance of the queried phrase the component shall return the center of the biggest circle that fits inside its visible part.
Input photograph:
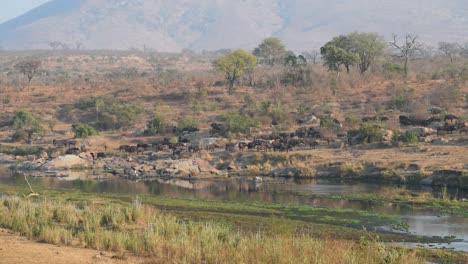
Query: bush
(19, 136)
(410, 136)
(237, 123)
(403, 99)
(367, 133)
(25, 120)
(83, 131)
(21, 150)
(188, 121)
(392, 68)
(110, 114)
(155, 124)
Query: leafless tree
(28, 68)
(312, 56)
(463, 49)
(78, 45)
(410, 49)
(451, 50)
(55, 44)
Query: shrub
(110, 114)
(19, 135)
(155, 124)
(392, 68)
(83, 131)
(21, 150)
(410, 136)
(367, 133)
(188, 121)
(25, 120)
(237, 123)
(403, 99)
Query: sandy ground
(18, 250)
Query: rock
(450, 178)
(414, 167)
(7, 158)
(284, 172)
(190, 167)
(388, 135)
(424, 131)
(65, 163)
(435, 110)
(85, 156)
(440, 141)
(44, 155)
(32, 165)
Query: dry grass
(146, 232)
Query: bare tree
(451, 50)
(28, 68)
(463, 49)
(78, 45)
(312, 56)
(55, 44)
(407, 51)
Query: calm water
(284, 191)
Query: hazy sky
(13, 8)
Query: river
(283, 191)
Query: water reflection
(285, 191)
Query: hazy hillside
(169, 25)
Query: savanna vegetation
(360, 108)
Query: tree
(368, 46)
(338, 52)
(451, 50)
(28, 68)
(78, 45)
(312, 56)
(234, 65)
(463, 49)
(270, 51)
(55, 44)
(295, 69)
(407, 51)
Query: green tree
(295, 69)
(234, 65)
(339, 52)
(25, 120)
(83, 131)
(368, 46)
(270, 51)
(155, 124)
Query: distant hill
(171, 25)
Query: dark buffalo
(231, 147)
(242, 146)
(450, 117)
(405, 120)
(73, 151)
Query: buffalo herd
(303, 138)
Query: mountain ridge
(214, 24)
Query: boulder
(450, 178)
(32, 165)
(440, 141)
(6, 158)
(65, 163)
(284, 172)
(190, 167)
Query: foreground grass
(145, 231)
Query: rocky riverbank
(424, 165)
